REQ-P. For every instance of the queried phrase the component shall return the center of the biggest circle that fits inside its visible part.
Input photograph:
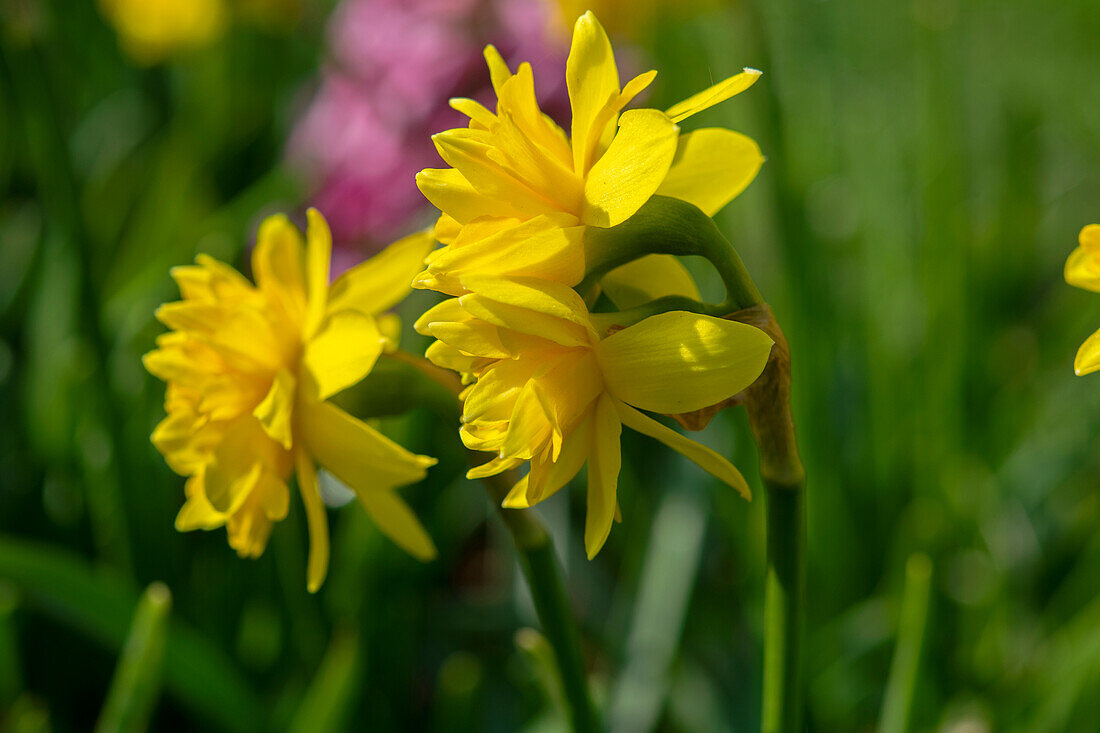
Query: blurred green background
(930, 163)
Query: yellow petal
(197, 513)
(318, 257)
(466, 151)
(354, 452)
(697, 453)
(452, 194)
(534, 294)
(384, 280)
(574, 452)
(342, 353)
(398, 522)
(679, 361)
(235, 465)
(475, 338)
(498, 68)
(1088, 356)
(316, 520)
(632, 168)
(275, 412)
(550, 247)
(493, 467)
(711, 167)
(604, 463)
(711, 96)
(646, 279)
(516, 322)
(591, 78)
(447, 310)
(529, 426)
(517, 496)
(278, 265)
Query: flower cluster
(249, 369)
(547, 386)
(1083, 271)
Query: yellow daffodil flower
(152, 30)
(548, 390)
(249, 369)
(520, 191)
(1083, 270)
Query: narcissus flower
(548, 390)
(1083, 270)
(249, 369)
(520, 191)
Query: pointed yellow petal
(475, 338)
(493, 467)
(604, 463)
(398, 522)
(550, 247)
(278, 264)
(354, 452)
(385, 279)
(517, 496)
(711, 96)
(318, 257)
(468, 152)
(711, 167)
(1088, 356)
(574, 452)
(498, 69)
(632, 168)
(697, 453)
(679, 361)
(342, 353)
(447, 310)
(197, 513)
(275, 412)
(452, 194)
(646, 279)
(591, 78)
(316, 520)
(530, 293)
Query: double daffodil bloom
(249, 369)
(550, 391)
(1083, 270)
(520, 192)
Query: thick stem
(539, 564)
(768, 403)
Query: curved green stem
(768, 403)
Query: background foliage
(930, 164)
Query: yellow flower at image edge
(1083, 271)
(152, 30)
(520, 192)
(549, 391)
(249, 369)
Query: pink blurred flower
(393, 66)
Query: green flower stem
(768, 403)
(902, 682)
(136, 684)
(539, 564)
(537, 560)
